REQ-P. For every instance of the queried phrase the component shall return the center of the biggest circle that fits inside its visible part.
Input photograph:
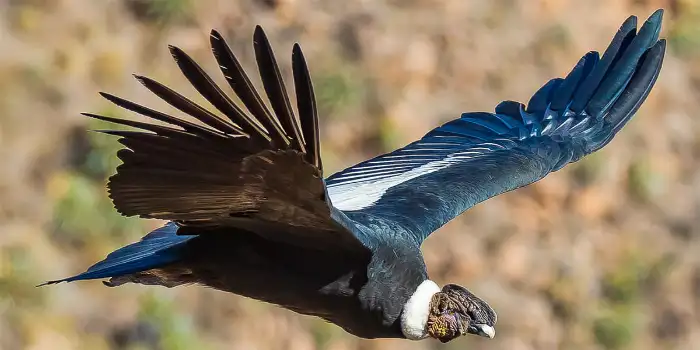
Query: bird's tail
(157, 249)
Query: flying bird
(250, 212)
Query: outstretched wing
(424, 185)
(259, 172)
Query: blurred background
(604, 254)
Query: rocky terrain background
(604, 254)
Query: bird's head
(455, 311)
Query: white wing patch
(364, 185)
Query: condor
(250, 212)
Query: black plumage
(250, 212)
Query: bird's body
(250, 212)
(304, 280)
(308, 281)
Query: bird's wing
(259, 172)
(424, 185)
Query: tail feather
(156, 249)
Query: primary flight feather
(250, 212)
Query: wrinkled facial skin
(445, 327)
(455, 311)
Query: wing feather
(207, 88)
(241, 85)
(187, 106)
(243, 171)
(274, 86)
(427, 183)
(306, 104)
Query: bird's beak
(486, 330)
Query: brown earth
(604, 254)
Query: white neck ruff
(414, 317)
